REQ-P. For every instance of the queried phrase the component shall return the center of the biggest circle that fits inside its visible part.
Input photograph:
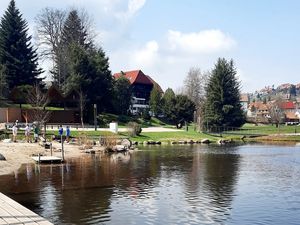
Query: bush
(134, 129)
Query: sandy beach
(19, 153)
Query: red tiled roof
(288, 105)
(135, 76)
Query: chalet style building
(142, 86)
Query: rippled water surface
(250, 184)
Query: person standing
(68, 133)
(27, 133)
(14, 132)
(36, 133)
(60, 130)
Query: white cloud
(169, 60)
(203, 42)
(147, 55)
(135, 5)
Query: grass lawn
(267, 129)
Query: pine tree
(222, 107)
(122, 95)
(16, 52)
(73, 31)
(73, 34)
(155, 100)
(101, 88)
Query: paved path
(123, 129)
(13, 213)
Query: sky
(166, 38)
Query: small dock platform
(47, 159)
(12, 212)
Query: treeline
(66, 38)
(210, 99)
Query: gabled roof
(135, 77)
(156, 84)
(258, 106)
(288, 105)
(244, 98)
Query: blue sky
(166, 38)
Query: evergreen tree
(73, 31)
(16, 52)
(3, 84)
(222, 106)
(168, 101)
(122, 95)
(73, 34)
(155, 100)
(182, 110)
(90, 74)
(101, 88)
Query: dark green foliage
(101, 88)
(73, 31)
(73, 34)
(177, 108)
(183, 110)
(16, 51)
(89, 73)
(222, 107)
(3, 83)
(293, 90)
(155, 100)
(167, 101)
(122, 95)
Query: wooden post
(62, 148)
(51, 148)
(95, 116)
(7, 115)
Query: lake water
(249, 184)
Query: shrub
(134, 129)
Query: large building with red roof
(142, 86)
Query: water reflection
(158, 185)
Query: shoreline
(20, 153)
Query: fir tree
(122, 95)
(101, 88)
(73, 34)
(73, 31)
(16, 52)
(155, 100)
(222, 107)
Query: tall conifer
(16, 52)
(222, 107)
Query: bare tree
(82, 103)
(38, 100)
(194, 88)
(49, 25)
(275, 111)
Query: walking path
(123, 129)
(13, 213)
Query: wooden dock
(47, 159)
(13, 213)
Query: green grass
(267, 129)
(28, 106)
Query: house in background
(142, 86)
(244, 100)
